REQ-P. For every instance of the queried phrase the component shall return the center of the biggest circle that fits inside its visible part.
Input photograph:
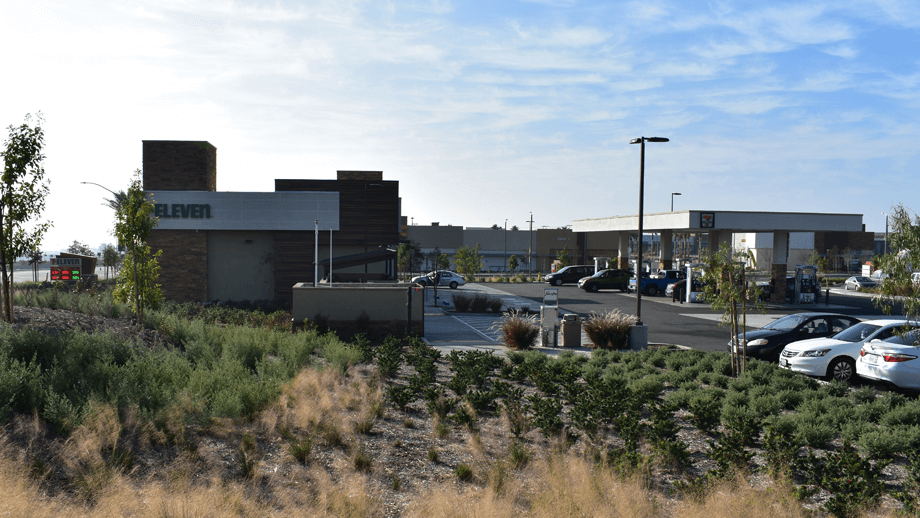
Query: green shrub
(464, 473)
(882, 443)
(813, 433)
(853, 482)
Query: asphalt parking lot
(690, 325)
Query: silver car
(854, 283)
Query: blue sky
(483, 111)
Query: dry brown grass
(555, 482)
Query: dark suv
(569, 274)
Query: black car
(569, 274)
(605, 279)
(766, 343)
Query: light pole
(641, 141)
(673, 194)
(530, 250)
(886, 232)
(505, 246)
(97, 185)
(315, 253)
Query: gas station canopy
(731, 221)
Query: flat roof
(733, 221)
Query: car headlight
(815, 354)
(759, 341)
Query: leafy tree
(110, 259)
(902, 260)
(512, 263)
(23, 191)
(408, 257)
(137, 279)
(563, 257)
(79, 248)
(35, 259)
(468, 261)
(727, 291)
(496, 227)
(514, 227)
(442, 262)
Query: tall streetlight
(641, 141)
(97, 185)
(530, 250)
(505, 251)
(886, 232)
(673, 194)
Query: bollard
(827, 297)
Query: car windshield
(857, 333)
(786, 323)
(600, 273)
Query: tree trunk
(137, 299)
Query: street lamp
(104, 187)
(641, 141)
(505, 249)
(673, 194)
(886, 232)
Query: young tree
(79, 248)
(468, 261)
(35, 259)
(442, 262)
(512, 264)
(23, 191)
(408, 257)
(563, 257)
(110, 259)
(725, 289)
(904, 259)
(137, 280)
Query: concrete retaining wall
(385, 306)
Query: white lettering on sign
(66, 261)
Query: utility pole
(530, 250)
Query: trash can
(571, 331)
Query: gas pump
(806, 284)
(694, 284)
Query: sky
(483, 111)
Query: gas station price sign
(66, 268)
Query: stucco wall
(240, 265)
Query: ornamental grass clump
(519, 332)
(609, 330)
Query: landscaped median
(202, 417)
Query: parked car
(658, 283)
(605, 279)
(569, 274)
(854, 283)
(892, 360)
(768, 342)
(835, 357)
(448, 278)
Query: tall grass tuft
(609, 330)
(519, 332)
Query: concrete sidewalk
(449, 331)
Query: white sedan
(448, 278)
(893, 360)
(835, 357)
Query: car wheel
(624, 288)
(556, 282)
(841, 369)
(652, 290)
(453, 285)
(593, 288)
